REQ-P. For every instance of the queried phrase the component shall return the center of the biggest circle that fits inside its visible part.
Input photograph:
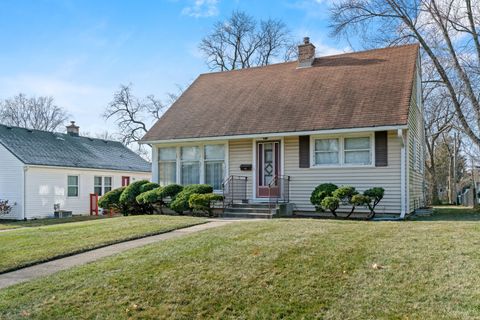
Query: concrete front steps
(248, 211)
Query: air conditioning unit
(62, 214)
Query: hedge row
(143, 197)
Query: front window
(357, 151)
(214, 165)
(107, 184)
(167, 166)
(326, 151)
(190, 165)
(72, 186)
(97, 185)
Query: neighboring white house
(40, 169)
(279, 131)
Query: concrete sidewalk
(47, 268)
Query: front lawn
(31, 245)
(13, 224)
(287, 269)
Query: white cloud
(202, 8)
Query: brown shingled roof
(352, 90)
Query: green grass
(280, 269)
(27, 246)
(13, 224)
(452, 213)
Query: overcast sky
(80, 51)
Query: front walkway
(44, 269)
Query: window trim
(102, 184)
(202, 161)
(341, 150)
(78, 185)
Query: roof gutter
(278, 134)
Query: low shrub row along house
(41, 172)
(274, 133)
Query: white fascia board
(278, 134)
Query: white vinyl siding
(241, 152)
(46, 186)
(416, 150)
(304, 180)
(11, 183)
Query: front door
(268, 167)
(125, 181)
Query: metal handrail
(234, 188)
(283, 184)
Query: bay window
(190, 165)
(214, 164)
(167, 166)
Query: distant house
(275, 132)
(40, 170)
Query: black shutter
(304, 152)
(381, 149)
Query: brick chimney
(73, 130)
(306, 53)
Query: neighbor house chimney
(306, 53)
(73, 130)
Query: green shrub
(203, 202)
(171, 191)
(345, 194)
(331, 203)
(360, 200)
(321, 192)
(180, 203)
(111, 199)
(148, 186)
(129, 201)
(148, 197)
(375, 195)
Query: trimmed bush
(129, 201)
(156, 197)
(181, 201)
(203, 202)
(321, 192)
(148, 186)
(148, 197)
(375, 195)
(331, 203)
(111, 200)
(345, 195)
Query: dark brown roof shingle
(361, 89)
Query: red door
(268, 167)
(125, 181)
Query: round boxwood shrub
(180, 203)
(111, 200)
(203, 202)
(128, 198)
(321, 192)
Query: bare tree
(447, 30)
(242, 42)
(134, 116)
(39, 113)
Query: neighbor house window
(107, 184)
(214, 165)
(357, 150)
(102, 185)
(72, 186)
(167, 166)
(326, 151)
(97, 185)
(190, 165)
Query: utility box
(285, 210)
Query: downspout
(24, 215)
(403, 183)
